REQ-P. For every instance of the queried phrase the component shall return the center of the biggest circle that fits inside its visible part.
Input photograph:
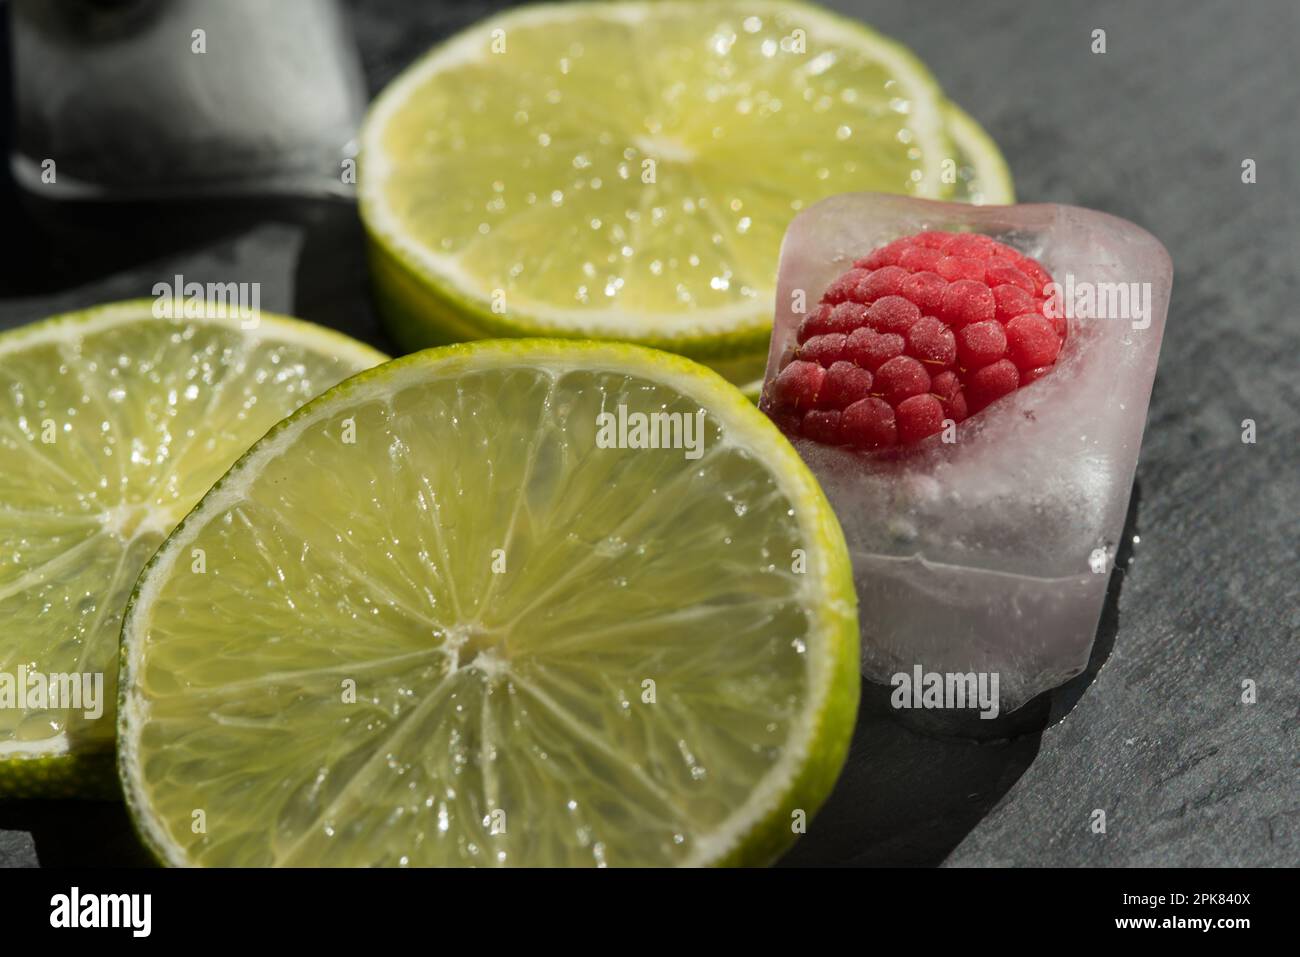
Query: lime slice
(982, 174)
(115, 423)
(627, 170)
(445, 622)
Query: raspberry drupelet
(926, 328)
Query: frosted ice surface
(979, 555)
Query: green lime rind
(834, 723)
(420, 314)
(142, 308)
(983, 176)
(815, 760)
(91, 775)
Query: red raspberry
(970, 245)
(844, 384)
(953, 268)
(1007, 274)
(798, 384)
(934, 239)
(932, 342)
(1012, 301)
(947, 388)
(886, 255)
(992, 382)
(966, 301)
(869, 424)
(920, 259)
(823, 425)
(844, 287)
(816, 323)
(871, 349)
(1031, 341)
(926, 328)
(900, 378)
(892, 314)
(825, 350)
(917, 417)
(926, 290)
(1040, 276)
(887, 281)
(981, 344)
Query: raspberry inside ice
(927, 328)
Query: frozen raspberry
(892, 314)
(886, 255)
(824, 425)
(797, 385)
(926, 290)
(971, 245)
(934, 239)
(953, 268)
(917, 417)
(946, 387)
(981, 344)
(1031, 341)
(966, 301)
(901, 378)
(992, 382)
(871, 349)
(887, 281)
(926, 328)
(842, 317)
(869, 424)
(825, 350)
(848, 316)
(920, 259)
(1008, 274)
(1040, 276)
(845, 383)
(844, 287)
(932, 342)
(1011, 301)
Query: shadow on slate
(77, 833)
(94, 241)
(917, 782)
(331, 283)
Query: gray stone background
(1155, 131)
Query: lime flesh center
(136, 520)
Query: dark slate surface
(1154, 130)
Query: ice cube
(141, 99)
(982, 555)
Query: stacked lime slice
(981, 174)
(627, 170)
(507, 603)
(115, 422)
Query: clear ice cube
(992, 553)
(144, 98)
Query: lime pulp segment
(446, 622)
(115, 423)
